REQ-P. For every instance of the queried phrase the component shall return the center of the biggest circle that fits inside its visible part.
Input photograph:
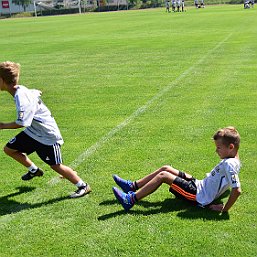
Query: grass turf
(132, 91)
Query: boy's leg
(66, 172)
(17, 147)
(71, 175)
(33, 170)
(18, 156)
(128, 200)
(51, 154)
(127, 185)
(141, 182)
(153, 184)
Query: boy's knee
(166, 168)
(7, 150)
(166, 177)
(55, 167)
(163, 175)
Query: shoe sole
(119, 198)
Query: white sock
(33, 168)
(81, 183)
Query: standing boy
(167, 6)
(173, 5)
(178, 5)
(183, 5)
(200, 192)
(41, 134)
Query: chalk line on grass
(91, 150)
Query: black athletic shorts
(50, 154)
(184, 189)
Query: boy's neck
(12, 89)
(234, 156)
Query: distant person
(167, 6)
(202, 4)
(246, 4)
(173, 5)
(41, 134)
(178, 5)
(199, 192)
(196, 3)
(183, 5)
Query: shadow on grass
(185, 209)
(8, 206)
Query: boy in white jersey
(167, 6)
(200, 192)
(41, 134)
(173, 5)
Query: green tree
(23, 3)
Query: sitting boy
(200, 192)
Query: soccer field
(131, 91)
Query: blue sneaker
(125, 185)
(126, 200)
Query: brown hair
(10, 72)
(228, 135)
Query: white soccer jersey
(36, 117)
(223, 176)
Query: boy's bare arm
(10, 125)
(235, 192)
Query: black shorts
(50, 154)
(184, 189)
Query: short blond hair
(228, 135)
(10, 72)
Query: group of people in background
(179, 5)
(176, 5)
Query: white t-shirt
(223, 176)
(36, 117)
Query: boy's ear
(231, 146)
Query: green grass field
(132, 91)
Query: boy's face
(1, 84)
(224, 151)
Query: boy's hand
(217, 207)
(11, 125)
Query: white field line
(91, 150)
